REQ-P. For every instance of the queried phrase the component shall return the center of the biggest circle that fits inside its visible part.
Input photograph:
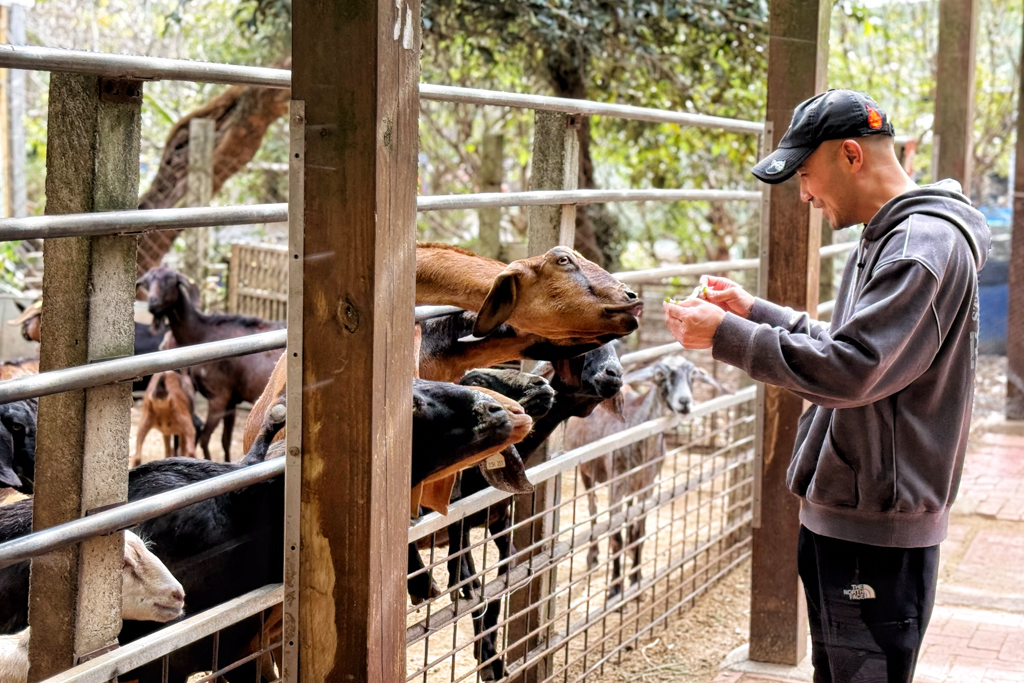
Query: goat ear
(499, 303)
(8, 477)
(614, 406)
(21, 308)
(701, 374)
(641, 375)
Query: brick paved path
(977, 630)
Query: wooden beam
(1015, 313)
(797, 58)
(356, 69)
(954, 91)
(92, 164)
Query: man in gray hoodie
(879, 453)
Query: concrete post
(89, 289)
(491, 156)
(200, 191)
(555, 167)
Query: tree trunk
(597, 231)
(242, 115)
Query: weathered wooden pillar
(92, 164)
(201, 133)
(1015, 313)
(356, 71)
(797, 58)
(555, 167)
(954, 91)
(491, 156)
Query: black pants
(868, 607)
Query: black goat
(580, 384)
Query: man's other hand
(727, 295)
(693, 322)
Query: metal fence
(697, 512)
(610, 572)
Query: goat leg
(636, 535)
(144, 428)
(421, 587)
(460, 564)
(225, 435)
(615, 551)
(217, 407)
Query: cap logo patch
(776, 167)
(874, 119)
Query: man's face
(823, 185)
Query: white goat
(148, 593)
(671, 392)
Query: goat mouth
(634, 308)
(174, 611)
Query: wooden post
(491, 157)
(92, 164)
(555, 167)
(797, 58)
(356, 69)
(1015, 313)
(201, 134)
(954, 91)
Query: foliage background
(702, 56)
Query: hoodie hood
(944, 200)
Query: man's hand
(693, 322)
(727, 295)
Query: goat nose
(178, 595)
(630, 294)
(495, 408)
(613, 372)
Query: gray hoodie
(879, 454)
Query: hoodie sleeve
(782, 316)
(888, 341)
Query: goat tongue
(508, 476)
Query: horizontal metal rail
(826, 307)
(155, 68)
(123, 369)
(836, 249)
(127, 222)
(696, 269)
(485, 200)
(433, 522)
(650, 354)
(170, 638)
(687, 270)
(33, 58)
(130, 514)
(444, 93)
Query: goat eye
(564, 261)
(17, 427)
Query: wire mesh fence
(616, 549)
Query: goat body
(671, 393)
(18, 432)
(168, 406)
(224, 383)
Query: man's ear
(499, 303)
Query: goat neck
(450, 276)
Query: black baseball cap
(833, 115)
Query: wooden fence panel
(258, 281)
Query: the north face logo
(860, 591)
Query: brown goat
(559, 295)
(168, 406)
(224, 383)
(29, 320)
(18, 368)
